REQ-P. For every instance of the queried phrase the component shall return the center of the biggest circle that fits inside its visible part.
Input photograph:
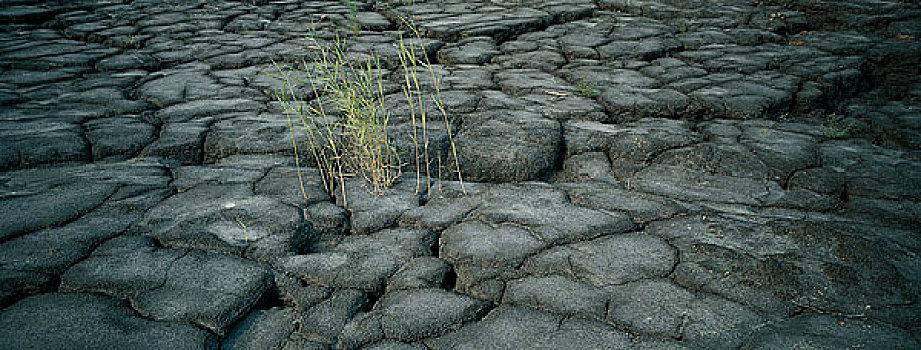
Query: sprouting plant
(586, 89)
(132, 41)
(836, 127)
(354, 24)
(242, 224)
(683, 26)
(51, 239)
(346, 122)
(352, 138)
(411, 62)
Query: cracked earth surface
(649, 174)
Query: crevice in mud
(653, 157)
(671, 272)
(548, 175)
(844, 196)
(92, 250)
(158, 134)
(265, 173)
(52, 285)
(450, 279)
(159, 244)
(477, 317)
(509, 33)
(216, 337)
(271, 298)
(69, 221)
(785, 182)
(89, 144)
(436, 246)
(373, 297)
(200, 143)
(168, 269)
(129, 303)
(802, 309)
(795, 98)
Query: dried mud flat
(673, 174)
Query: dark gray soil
(648, 174)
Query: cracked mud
(649, 174)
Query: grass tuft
(354, 24)
(346, 121)
(837, 127)
(587, 89)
